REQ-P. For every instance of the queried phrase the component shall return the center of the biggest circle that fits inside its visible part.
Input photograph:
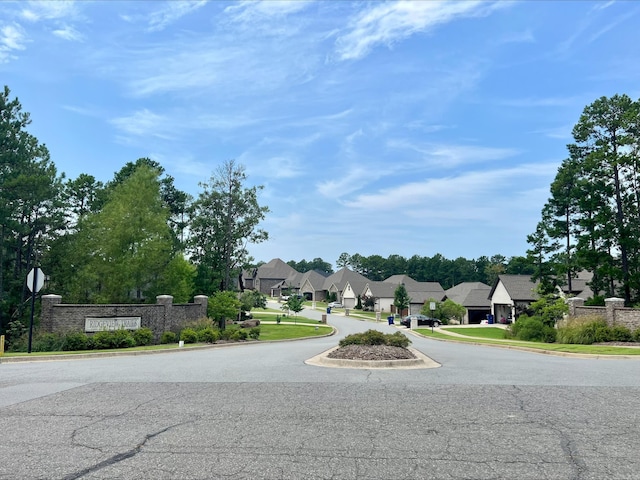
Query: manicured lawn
(289, 332)
(482, 332)
(553, 347)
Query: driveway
(257, 411)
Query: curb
(422, 361)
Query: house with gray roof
(268, 278)
(474, 297)
(346, 284)
(512, 294)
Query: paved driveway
(259, 412)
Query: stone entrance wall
(614, 312)
(162, 317)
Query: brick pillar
(574, 302)
(167, 302)
(203, 301)
(610, 306)
(46, 316)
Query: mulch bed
(371, 352)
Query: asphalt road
(257, 411)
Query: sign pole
(33, 305)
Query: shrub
(238, 335)
(122, 339)
(73, 341)
(143, 336)
(102, 340)
(208, 335)
(578, 332)
(189, 335)
(254, 333)
(620, 333)
(636, 335)
(47, 342)
(168, 337)
(375, 337)
(533, 329)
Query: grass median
(550, 347)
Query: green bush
(254, 333)
(189, 335)
(74, 341)
(533, 329)
(102, 340)
(375, 337)
(143, 336)
(47, 342)
(238, 335)
(168, 337)
(580, 333)
(198, 325)
(208, 335)
(636, 335)
(620, 333)
(122, 339)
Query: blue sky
(410, 128)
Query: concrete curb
(422, 361)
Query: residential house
(512, 294)
(419, 292)
(268, 278)
(346, 284)
(474, 297)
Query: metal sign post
(35, 281)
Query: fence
(614, 312)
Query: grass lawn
(485, 332)
(553, 347)
(289, 331)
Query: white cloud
(49, 10)
(68, 33)
(144, 123)
(12, 37)
(451, 156)
(390, 22)
(249, 11)
(171, 12)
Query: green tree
(30, 205)
(127, 246)
(294, 304)
(224, 219)
(222, 306)
(401, 299)
(450, 310)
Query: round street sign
(39, 280)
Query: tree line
(592, 217)
(423, 268)
(126, 240)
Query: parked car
(422, 321)
(334, 305)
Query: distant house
(310, 284)
(383, 293)
(269, 277)
(346, 284)
(474, 297)
(512, 294)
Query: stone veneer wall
(614, 312)
(162, 317)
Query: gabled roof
(470, 294)
(381, 289)
(342, 276)
(519, 287)
(315, 279)
(276, 269)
